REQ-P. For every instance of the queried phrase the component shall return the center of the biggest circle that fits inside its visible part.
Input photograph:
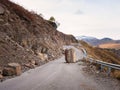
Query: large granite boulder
(70, 56)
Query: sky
(97, 18)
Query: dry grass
(110, 46)
(101, 54)
(104, 55)
(19, 10)
(116, 74)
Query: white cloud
(79, 12)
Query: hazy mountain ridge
(96, 42)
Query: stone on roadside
(43, 56)
(32, 62)
(37, 62)
(16, 67)
(0, 70)
(1, 10)
(8, 71)
(40, 55)
(27, 65)
(30, 65)
(1, 76)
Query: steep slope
(24, 34)
(101, 54)
(105, 55)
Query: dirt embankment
(25, 35)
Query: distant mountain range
(96, 42)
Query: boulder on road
(70, 56)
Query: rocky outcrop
(24, 34)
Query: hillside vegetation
(104, 55)
(110, 46)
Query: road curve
(55, 75)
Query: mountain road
(55, 75)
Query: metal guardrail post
(109, 71)
(102, 67)
(105, 64)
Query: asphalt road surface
(55, 75)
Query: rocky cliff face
(24, 34)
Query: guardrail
(105, 64)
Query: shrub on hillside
(53, 22)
